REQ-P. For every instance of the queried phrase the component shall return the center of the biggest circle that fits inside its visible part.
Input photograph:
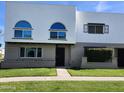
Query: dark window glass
(53, 34)
(95, 28)
(30, 52)
(18, 33)
(91, 29)
(62, 35)
(39, 52)
(99, 29)
(27, 34)
(22, 52)
(58, 26)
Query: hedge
(98, 55)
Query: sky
(90, 6)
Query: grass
(97, 72)
(63, 86)
(28, 72)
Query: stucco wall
(112, 64)
(12, 56)
(114, 20)
(41, 17)
(78, 59)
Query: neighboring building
(55, 35)
(1, 53)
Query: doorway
(60, 56)
(120, 57)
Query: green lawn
(28, 72)
(97, 72)
(63, 86)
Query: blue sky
(94, 6)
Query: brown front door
(60, 56)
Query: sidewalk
(62, 74)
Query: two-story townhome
(38, 35)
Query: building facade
(55, 35)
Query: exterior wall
(13, 60)
(78, 60)
(76, 55)
(41, 17)
(112, 64)
(115, 22)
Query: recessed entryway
(120, 57)
(60, 56)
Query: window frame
(105, 28)
(36, 55)
(95, 25)
(23, 34)
(58, 36)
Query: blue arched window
(23, 29)
(58, 31)
(57, 26)
(23, 24)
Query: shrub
(98, 55)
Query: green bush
(98, 55)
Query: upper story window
(96, 28)
(23, 29)
(57, 31)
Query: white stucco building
(39, 35)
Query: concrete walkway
(62, 74)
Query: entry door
(60, 56)
(120, 57)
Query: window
(57, 26)
(62, 35)
(30, 52)
(39, 52)
(57, 35)
(96, 28)
(53, 35)
(22, 34)
(58, 31)
(22, 52)
(23, 29)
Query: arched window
(57, 26)
(57, 31)
(23, 29)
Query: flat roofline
(99, 12)
(40, 43)
(39, 3)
